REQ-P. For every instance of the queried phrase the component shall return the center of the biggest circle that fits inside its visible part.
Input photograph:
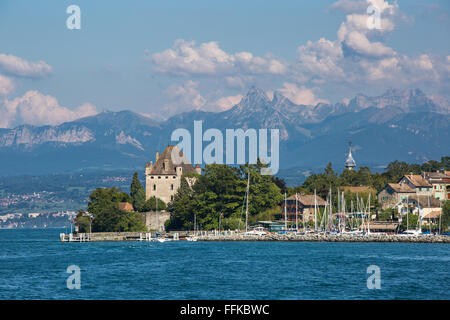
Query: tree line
(217, 198)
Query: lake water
(33, 265)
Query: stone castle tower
(163, 178)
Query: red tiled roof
(401, 188)
(417, 180)
(432, 215)
(357, 189)
(126, 206)
(308, 199)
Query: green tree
(83, 221)
(181, 208)
(412, 220)
(322, 182)
(137, 193)
(445, 218)
(153, 204)
(103, 206)
(219, 194)
(131, 222)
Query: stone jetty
(239, 236)
(322, 237)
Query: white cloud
(226, 103)
(360, 44)
(22, 68)
(300, 95)
(38, 109)
(183, 97)
(359, 56)
(186, 58)
(7, 85)
(349, 6)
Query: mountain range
(404, 125)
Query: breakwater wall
(329, 238)
(235, 236)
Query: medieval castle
(163, 178)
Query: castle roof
(165, 165)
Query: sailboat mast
(246, 206)
(440, 214)
(330, 218)
(429, 215)
(369, 215)
(285, 212)
(315, 211)
(296, 213)
(407, 212)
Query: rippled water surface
(33, 265)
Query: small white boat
(161, 239)
(414, 232)
(192, 238)
(258, 231)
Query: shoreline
(271, 237)
(335, 238)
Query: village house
(417, 182)
(305, 207)
(439, 184)
(393, 193)
(426, 207)
(163, 178)
(446, 180)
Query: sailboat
(193, 238)
(416, 231)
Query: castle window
(171, 187)
(151, 177)
(167, 177)
(174, 177)
(171, 198)
(159, 177)
(154, 187)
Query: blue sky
(164, 57)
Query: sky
(161, 58)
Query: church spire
(350, 162)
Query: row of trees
(105, 215)
(364, 177)
(217, 197)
